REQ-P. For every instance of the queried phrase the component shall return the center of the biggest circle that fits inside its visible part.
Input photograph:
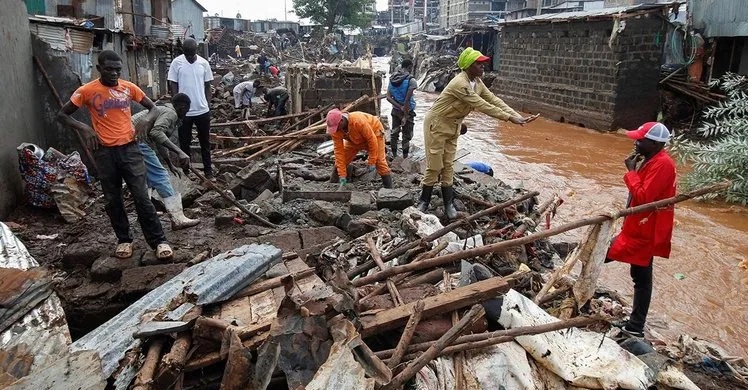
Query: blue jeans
(156, 175)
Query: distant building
(187, 19)
(726, 27)
(258, 26)
(455, 12)
(518, 9)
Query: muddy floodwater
(699, 291)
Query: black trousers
(125, 162)
(406, 128)
(642, 277)
(280, 107)
(202, 122)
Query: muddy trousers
(440, 139)
(117, 163)
(642, 277)
(202, 122)
(398, 127)
(156, 175)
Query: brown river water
(585, 168)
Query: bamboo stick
(504, 245)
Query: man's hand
(632, 160)
(532, 118)
(343, 181)
(184, 160)
(463, 129)
(518, 120)
(176, 171)
(406, 111)
(372, 168)
(90, 138)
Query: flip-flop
(163, 251)
(123, 250)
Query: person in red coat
(651, 177)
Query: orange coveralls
(365, 132)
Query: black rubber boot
(334, 178)
(387, 181)
(448, 196)
(406, 150)
(425, 199)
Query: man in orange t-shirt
(117, 155)
(355, 131)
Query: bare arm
(173, 87)
(393, 101)
(208, 93)
(64, 116)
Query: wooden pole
(408, 332)
(397, 300)
(499, 336)
(412, 369)
(433, 236)
(258, 121)
(504, 245)
(144, 380)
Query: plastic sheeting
(583, 358)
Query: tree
(332, 13)
(725, 153)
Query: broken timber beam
(330, 196)
(456, 299)
(447, 339)
(504, 245)
(408, 332)
(272, 283)
(258, 121)
(433, 236)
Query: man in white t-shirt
(190, 74)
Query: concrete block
(140, 280)
(287, 241)
(265, 195)
(225, 217)
(109, 269)
(324, 212)
(315, 236)
(81, 254)
(360, 203)
(394, 199)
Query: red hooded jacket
(647, 234)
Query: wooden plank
(330, 196)
(456, 299)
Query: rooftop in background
(604, 13)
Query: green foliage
(334, 13)
(725, 154)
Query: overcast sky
(258, 9)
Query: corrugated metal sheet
(595, 13)
(720, 18)
(53, 35)
(213, 280)
(212, 22)
(179, 31)
(44, 330)
(189, 16)
(81, 41)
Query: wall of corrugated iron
(720, 18)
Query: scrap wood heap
(399, 303)
(701, 93)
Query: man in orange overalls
(355, 131)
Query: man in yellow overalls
(441, 127)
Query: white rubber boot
(173, 205)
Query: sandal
(123, 250)
(163, 251)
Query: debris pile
(359, 289)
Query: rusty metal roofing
(213, 280)
(603, 13)
(720, 18)
(41, 334)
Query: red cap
(483, 59)
(655, 131)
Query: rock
(287, 241)
(360, 203)
(225, 217)
(265, 195)
(140, 280)
(394, 199)
(250, 183)
(251, 231)
(109, 269)
(324, 212)
(359, 227)
(189, 198)
(343, 220)
(314, 236)
(215, 200)
(564, 248)
(82, 253)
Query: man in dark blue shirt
(400, 95)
